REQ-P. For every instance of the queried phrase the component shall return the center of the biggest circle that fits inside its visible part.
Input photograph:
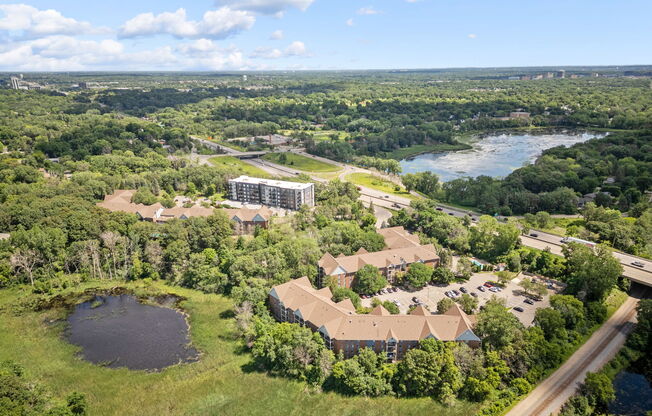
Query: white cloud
(204, 53)
(216, 24)
(368, 11)
(276, 35)
(295, 48)
(472, 36)
(270, 7)
(349, 22)
(32, 22)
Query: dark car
(439, 209)
(534, 235)
(474, 219)
(529, 301)
(415, 299)
(518, 309)
(463, 289)
(475, 295)
(456, 293)
(386, 196)
(395, 205)
(638, 264)
(481, 288)
(450, 213)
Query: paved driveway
(430, 295)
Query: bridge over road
(227, 151)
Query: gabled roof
(339, 320)
(398, 237)
(380, 259)
(420, 310)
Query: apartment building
(282, 194)
(344, 330)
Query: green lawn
(376, 182)
(417, 149)
(238, 166)
(220, 383)
(300, 162)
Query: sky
(221, 35)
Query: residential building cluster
(245, 219)
(344, 330)
(401, 250)
(18, 83)
(281, 194)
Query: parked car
(550, 286)
(518, 309)
(396, 302)
(456, 293)
(493, 289)
(529, 301)
(481, 288)
(475, 295)
(487, 284)
(463, 289)
(395, 205)
(534, 235)
(383, 291)
(638, 264)
(415, 299)
(474, 219)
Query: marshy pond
(119, 331)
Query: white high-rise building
(282, 194)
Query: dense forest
(62, 153)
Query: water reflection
(495, 155)
(118, 331)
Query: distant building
(519, 114)
(282, 194)
(345, 331)
(561, 73)
(15, 83)
(525, 77)
(83, 85)
(245, 219)
(549, 75)
(390, 262)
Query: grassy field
(406, 152)
(238, 166)
(301, 162)
(378, 183)
(220, 383)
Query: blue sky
(321, 34)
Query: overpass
(227, 151)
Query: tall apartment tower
(282, 194)
(15, 83)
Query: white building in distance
(273, 193)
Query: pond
(493, 155)
(119, 331)
(633, 395)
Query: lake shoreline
(494, 153)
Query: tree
(368, 280)
(464, 268)
(468, 303)
(443, 275)
(497, 327)
(551, 323)
(418, 275)
(599, 390)
(444, 305)
(592, 273)
(429, 370)
(341, 293)
(25, 261)
(77, 403)
(491, 239)
(571, 309)
(366, 374)
(292, 350)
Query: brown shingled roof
(380, 259)
(343, 324)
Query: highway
(551, 394)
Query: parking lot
(512, 293)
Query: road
(553, 242)
(550, 395)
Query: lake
(119, 331)
(493, 155)
(633, 395)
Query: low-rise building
(389, 262)
(519, 114)
(282, 194)
(344, 330)
(245, 219)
